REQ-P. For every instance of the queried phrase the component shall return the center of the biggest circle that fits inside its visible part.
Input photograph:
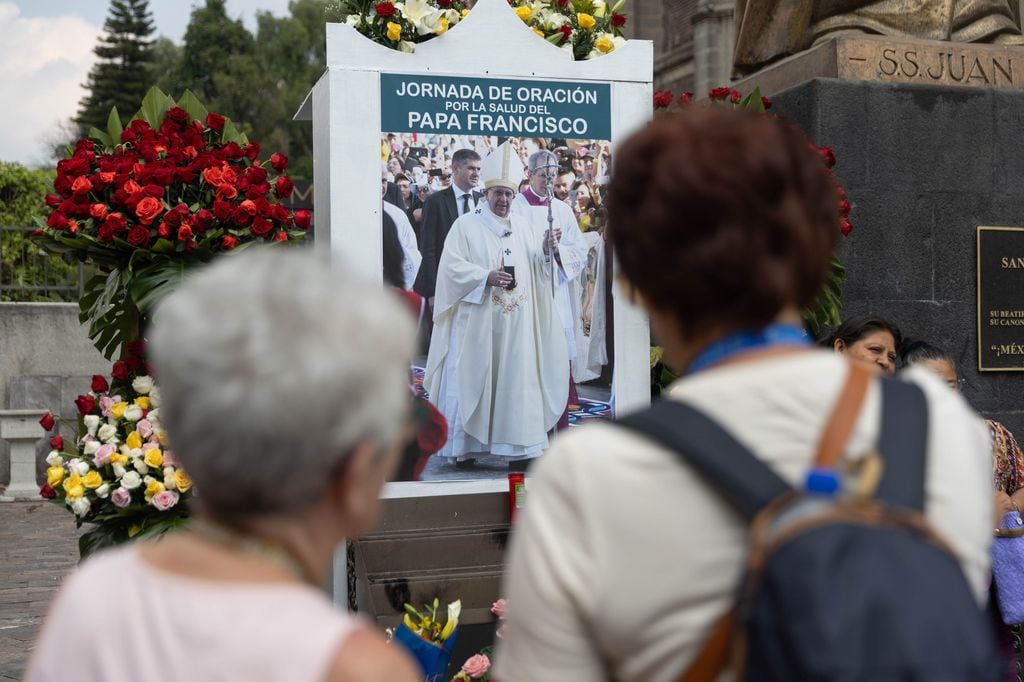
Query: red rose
(99, 382)
(686, 99)
(719, 93)
(444, 4)
(214, 175)
(618, 20)
(227, 191)
(184, 233)
(81, 185)
(249, 206)
(135, 348)
(303, 219)
(257, 191)
(228, 242)
(138, 237)
(232, 150)
(256, 174)
(115, 222)
(222, 210)
(384, 9)
(252, 150)
(107, 177)
(57, 443)
(52, 200)
(828, 156)
(280, 236)
(148, 209)
(240, 217)
(662, 99)
(283, 187)
(203, 219)
(845, 227)
(215, 122)
(119, 371)
(85, 404)
(98, 211)
(735, 96)
(153, 191)
(46, 492)
(279, 213)
(177, 114)
(766, 103)
(279, 162)
(261, 227)
(47, 421)
(844, 207)
(566, 30)
(163, 229)
(563, 3)
(57, 221)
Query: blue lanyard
(744, 341)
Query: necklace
(249, 544)
(745, 341)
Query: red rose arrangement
(176, 187)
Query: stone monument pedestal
(923, 167)
(20, 428)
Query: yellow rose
(442, 26)
(161, 437)
(182, 481)
(154, 487)
(54, 475)
(73, 488)
(585, 20)
(143, 402)
(394, 31)
(524, 13)
(153, 458)
(465, 13)
(119, 458)
(539, 32)
(133, 441)
(92, 480)
(604, 44)
(117, 410)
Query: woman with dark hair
(869, 339)
(624, 559)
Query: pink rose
(170, 460)
(144, 427)
(476, 666)
(121, 497)
(165, 500)
(105, 403)
(102, 456)
(499, 607)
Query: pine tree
(123, 71)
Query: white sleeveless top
(119, 619)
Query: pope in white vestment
(496, 367)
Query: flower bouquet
(142, 204)
(430, 641)
(585, 28)
(478, 666)
(120, 473)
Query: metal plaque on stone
(1000, 285)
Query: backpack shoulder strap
(735, 473)
(903, 444)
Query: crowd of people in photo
(286, 397)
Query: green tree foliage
(123, 71)
(22, 198)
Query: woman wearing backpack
(625, 559)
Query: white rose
(107, 433)
(406, 46)
(103, 491)
(81, 468)
(133, 413)
(54, 458)
(153, 416)
(80, 506)
(92, 422)
(154, 397)
(140, 466)
(353, 20)
(131, 480)
(168, 471)
(119, 470)
(137, 452)
(91, 447)
(142, 385)
(169, 481)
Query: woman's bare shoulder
(365, 656)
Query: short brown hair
(722, 217)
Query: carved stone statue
(771, 29)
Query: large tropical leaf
(155, 280)
(108, 312)
(190, 103)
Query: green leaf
(190, 103)
(114, 127)
(752, 102)
(153, 282)
(231, 133)
(154, 106)
(101, 137)
(163, 246)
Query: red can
(516, 494)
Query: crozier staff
(496, 367)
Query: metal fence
(27, 273)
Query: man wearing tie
(439, 212)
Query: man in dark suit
(439, 212)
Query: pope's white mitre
(502, 168)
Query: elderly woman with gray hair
(285, 398)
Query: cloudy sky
(47, 54)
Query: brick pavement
(38, 545)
